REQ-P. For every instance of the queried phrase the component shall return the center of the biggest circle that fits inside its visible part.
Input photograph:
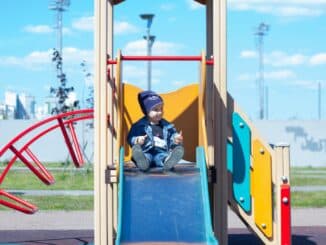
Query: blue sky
(294, 49)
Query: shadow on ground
(49, 237)
(300, 236)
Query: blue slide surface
(171, 207)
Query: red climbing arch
(64, 122)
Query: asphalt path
(77, 227)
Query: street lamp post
(261, 31)
(150, 41)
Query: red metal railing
(63, 121)
(161, 58)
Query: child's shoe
(174, 157)
(139, 158)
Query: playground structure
(20, 148)
(243, 171)
(231, 164)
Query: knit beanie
(148, 99)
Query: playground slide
(171, 207)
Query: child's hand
(141, 139)
(178, 139)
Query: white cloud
(193, 5)
(247, 54)
(167, 6)
(245, 77)
(178, 83)
(298, 11)
(166, 48)
(72, 97)
(133, 72)
(271, 75)
(39, 29)
(282, 59)
(291, 8)
(318, 59)
(33, 61)
(135, 48)
(279, 58)
(123, 27)
(38, 60)
(138, 72)
(139, 47)
(66, 31)
(280, 75)
(84, 24)
(307, 84)
(74, 56)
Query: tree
(89, 81)
(90, 85)
(61, 92)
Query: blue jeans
(156, 157)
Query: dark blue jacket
(142, 127)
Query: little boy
(155, 142)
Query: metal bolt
(285, 200)
(241, 125)
(261, 150)
(263, 226)
(284, 179)
(241, 199)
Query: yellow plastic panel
(180, 107)
(261, 188)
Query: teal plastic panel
(120, 195)
(241, 162)
(201, 163)
(229, 157)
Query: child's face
(156, 114)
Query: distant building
(50, 103)
(28, 102)
(46, 109)
(18, 106)
(10, 104)
(3, 110)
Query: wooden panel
(262, 188)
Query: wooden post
(103, 143)
(217, 114)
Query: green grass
(303, 176)
(67, 164)
(308, 176)
(306, 181)
(68, 180)
(71, 179)
(308, 199)
(67, 203)
(308, 168)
